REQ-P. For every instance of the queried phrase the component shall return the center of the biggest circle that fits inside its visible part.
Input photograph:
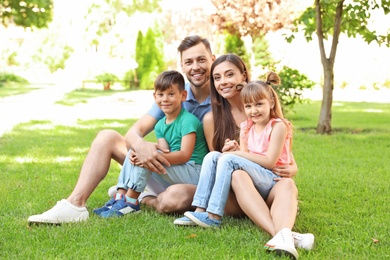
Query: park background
(46, 133)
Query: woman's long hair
(224, 123)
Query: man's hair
(167, 79)
(191, 41)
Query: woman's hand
(230, 145)
(285, 171)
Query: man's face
(195, 63)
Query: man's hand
(148, 156)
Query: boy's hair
(191, 41)
(169, 78)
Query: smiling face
(258, 111)
(226, 76)
(170, 100)
(195, 63)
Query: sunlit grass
(342, 182)
(82, 95)
(12, 89)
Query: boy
(181, 136)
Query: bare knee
(110, 141)
(176, 199)
(238, 179)
(288, 185)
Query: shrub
(291, 88)
(107, 79)
(9, 77)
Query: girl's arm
(277, 139)
(185, 153)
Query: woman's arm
(208, 128)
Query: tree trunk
(325, 119)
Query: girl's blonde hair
(257, 90)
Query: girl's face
(259, 111)
(226, 77)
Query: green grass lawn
(82, 95)
(11, 89)
(343, 183)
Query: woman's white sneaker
(62, 212)
(305, 241)
(282, 244)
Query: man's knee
(176, 199)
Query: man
(196, 59)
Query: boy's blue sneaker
(106, 207)
(121, 208)
(108, 204)
(202, 219)
(184, 221)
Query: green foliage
(355, 18)
(290, 91)
(261, 53)
(10, 77)
(27, 13)
(57, 60)
(150, 59)
(234, 44)
(106, 77)
(11, 60)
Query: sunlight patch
(26, 160)
(40, 127)
(64, 159)
(114, 124)
(373, 110)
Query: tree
(150, 59)
(234, 44)
(330, 18)
(26, 13)
(252, 17)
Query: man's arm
(145, 152)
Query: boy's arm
(186, 150)
(145, 152)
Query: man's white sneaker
(282, 244)
(62, 212)
(305, 241)
(112, 191)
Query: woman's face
(226, 77)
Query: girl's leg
(206, 180)
(227, 164)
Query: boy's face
(196, 63)
(169, 100)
